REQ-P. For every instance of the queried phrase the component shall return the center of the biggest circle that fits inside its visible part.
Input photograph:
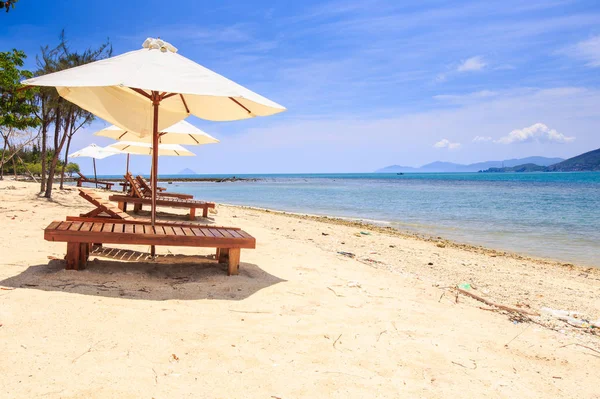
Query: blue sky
(367, 83)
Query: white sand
(299, 321)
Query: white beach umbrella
(148, 90)
(95, 152)
(129, 148)
(182, 132)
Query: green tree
(66, 117)
(71, 168)
(7, 4)
(17, 109)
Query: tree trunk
(62, 173)
(2, 162)
(43, 159)
(57, 149)
(14, 168)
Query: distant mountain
(187, 171)
(590, 161)
(474, 167)
(528, 167)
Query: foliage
(16, 107)
(72, 168)
(66, 118)
(30, 161)
(7, 4)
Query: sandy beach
(322, 308)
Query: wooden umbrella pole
(127, 170)
(156, 104)
(95, 176)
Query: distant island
(187, 171)
(440, 167)
(589, 161)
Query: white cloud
(481, 139)
(588, 50)
(464, 98)
(537, 132)
(445, 143)
(472, 64)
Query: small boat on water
(399, 173)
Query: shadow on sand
(132, 275)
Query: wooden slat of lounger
(75, 226)
(97, 227)
(244, 234)
(160, 230)
(207, 232)
(226, 233)
(187, 231)
(119, 228)
(198, 232)
(53, 226)
(129, 228)
(178, 231)
(216, 232)
(108, 227)
(169, 230)
(64, 226)
(87, 226)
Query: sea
(550, 215)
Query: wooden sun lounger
(138, 200)
(82, 179)
(146, 190)
(102, 206)
(80, 234)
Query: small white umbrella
(95, 152)
(129, 147)
(180, 133)
(148, 90)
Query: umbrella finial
(158, 44)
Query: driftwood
(490, 303)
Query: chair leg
(84, 253)
(205, 212)
(222, 255)
(72, 257)
(234, 262)
(192, 213)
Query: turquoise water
(554, 215)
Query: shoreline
(369, 224)
(438, 240)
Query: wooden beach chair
(102, 206)
(137, 198)
(146, 190)
(83, 179)
(80, 233)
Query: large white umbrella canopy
(148, 90)
(146, 149)
(117, 89)
(180, 133)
